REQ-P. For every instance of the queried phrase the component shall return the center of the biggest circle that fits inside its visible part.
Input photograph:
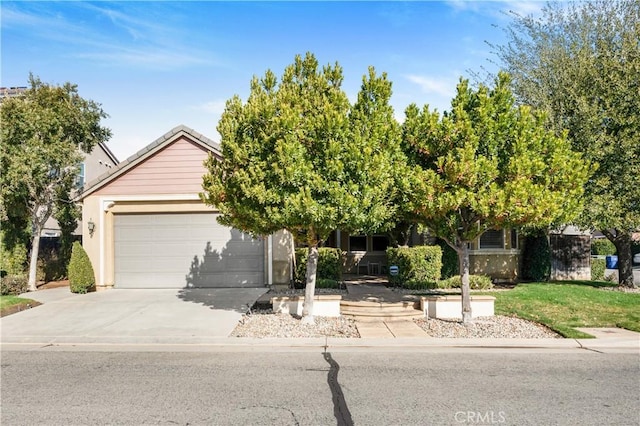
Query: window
(492, 239)
(379, 242)
(357, 243)
(80, 177)
(514, 239)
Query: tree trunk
(309, 292)
(622, 241)
(33, 260)
(463, 258)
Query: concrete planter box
(323, 305)
(451, 306)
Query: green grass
(562, 306)
(7, 302)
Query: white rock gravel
(486, 327)
(263, 324)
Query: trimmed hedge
(450, 263)
(602, 246)
(536, 258)
(81, 276)
(597, 269)
(476, 282)
(329, 265)
(418, 267)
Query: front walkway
(368, 288)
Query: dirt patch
(18, 308)
(53, 284)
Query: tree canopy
(43, 133)
(488, 164)
(298, 156)
(581, 63)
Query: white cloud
(215, 107)
(440, 86)
(498, 8)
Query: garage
(178, 250)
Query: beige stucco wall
(498, 264)
(282, 253)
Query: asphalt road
(313, 388)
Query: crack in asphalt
(340, 408)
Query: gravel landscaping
(264, 324)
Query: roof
(163, 141)
(110, 154)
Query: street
(309, 387)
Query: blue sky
(155, 65)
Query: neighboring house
(145, 226)
(100, 160)
(95, 164)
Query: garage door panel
(178, 250)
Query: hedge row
(329, 266)
(416, 265)
(602, 246)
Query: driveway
(129, 316)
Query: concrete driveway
(129, 316)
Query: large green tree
(43, 133)
(487, 164)
(298, 156)
(581, 63)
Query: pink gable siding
(177, 169)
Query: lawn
(11, 304)
(562, 306)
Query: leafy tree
(43, 132)
(488, 164)
(298, 156)
(581, 63)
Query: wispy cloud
(498, 8)
(441, 86)
(124, 40)
(215, 107)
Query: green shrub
(13, 285)
(635, 247)
(450, 264)
(476, 282)
(417, 266)
(81, 276)
(597, 269)
(329, 265)
(536, 258)
(14, 260)
(327, 283)
(602, 246)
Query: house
(95, 164)
(145, 226)
(495, 253)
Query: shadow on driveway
(228, 299)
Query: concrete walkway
(373, 289)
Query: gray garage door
(184, 250)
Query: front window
(357, 243)
(379, 242)
(492, 239)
